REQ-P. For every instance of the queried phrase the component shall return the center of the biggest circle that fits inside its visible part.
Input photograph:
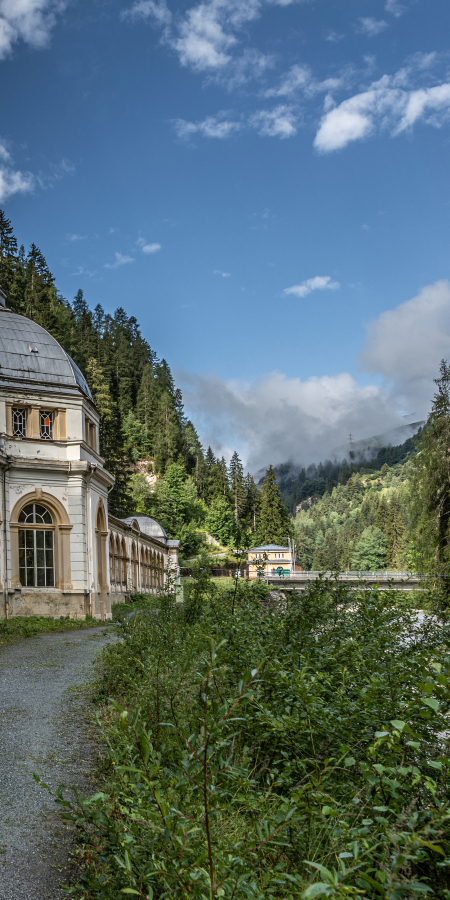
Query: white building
(61, 553)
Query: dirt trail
(42, 730)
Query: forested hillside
(148, 443)
(312, 483)
(361, 523)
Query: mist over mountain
(280, 418)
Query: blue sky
(258, 182)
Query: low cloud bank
(277, 418)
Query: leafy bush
(276, 749)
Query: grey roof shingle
(28, 353)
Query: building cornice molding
(67, 467)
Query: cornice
(69, 467)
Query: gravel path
(42, 730)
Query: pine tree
(167, 434)
(430, 488)
(274, 525)
(382, 514)
(8, 253)
(251, 503)
(216, 478)
(330, 555)
(83, 330)
(237, 486)
(318, 547)
(394, 530)
(38, 279)
(344, 474)
(370, 551)
(193, 454)
(100, 390)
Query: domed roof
(149, 526)
(28, 353)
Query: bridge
(385, 581)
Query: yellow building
(271, 559)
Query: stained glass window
(46, 425)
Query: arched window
(118, 578)
(147, 563)
(111, 559)
(36, 547)
(124, 564)
(135, 566)
(142, 585)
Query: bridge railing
(384, 574)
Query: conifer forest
(259, 744)
(342, 515)
(225, 554)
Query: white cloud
(148, 248)
(318, 283)
(390, 103)
(250, 65)
(148, 9)
(334, 37)
(394, 7)
(223, 274)
(300, 79)
(28, 20)
(278, 418)
(76, 237)
(218, 126)
(82, 271)
(205, 37)
(203, 42)
(12, 181)
(370, 26)
(120, 260)
(406, 344)
(279, 122)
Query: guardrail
(352, 573)
(385, 580)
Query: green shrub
(273, 749)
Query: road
(43, 729)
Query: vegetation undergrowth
(28, 626)
(271, 748)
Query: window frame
(29, 541)
(15, 410)
(46, 414)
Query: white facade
(60, 551)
